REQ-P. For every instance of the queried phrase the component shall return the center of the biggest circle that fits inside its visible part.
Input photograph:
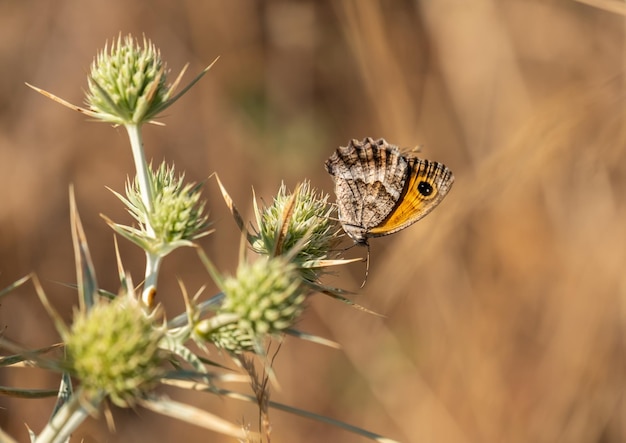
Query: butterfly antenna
(347, 248)
(367, 265)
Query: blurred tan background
(504, 308)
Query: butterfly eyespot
(425, 188)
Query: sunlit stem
(66, 420)
(153, 264)
(153, 261)
(143, 175)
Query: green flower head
(264, 298)
(127, 84)
(301, 220)
(177, 216)
(178, 212)
(113, 349)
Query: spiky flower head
(300, 220)
(264, 298)
(113, 350)
(177, 216)
(127, 84)
(178, 212)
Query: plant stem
(143, 175)
(153, 261)
(66, 420)
(153, 264)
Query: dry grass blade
(154, 85)
(120, 266)
(198, 386)
(26, 358)
(330, 421)
(210, 267)
(338, 294)
(179, 78)
(14, 285)
(232, 208)
(61, 101)
(173, 100)
(309, 415)
(284, 221)
(197, 382)
(56, 318)
(85, 273)
(335, 262)
(313, 338)
(20, 357)
(27, 393)
(194, 416)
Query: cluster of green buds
(177, 216)
(295, 237)
(300, 226)
(113, 349)
(264, 298)
(127, 83)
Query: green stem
(153, 264)
(143, 175)
(66, 420)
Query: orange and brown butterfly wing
(427, 184)
(369, 178)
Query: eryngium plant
(127, 83)
(299, 225)
(263, 299)
(128, 86)
(177, 217)
(113, 350)
(117, 348)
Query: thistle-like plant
(263, 299)
(119, 347)
(299, 224)
(128, 86)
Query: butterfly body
(381, 191)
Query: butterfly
(381, 191)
